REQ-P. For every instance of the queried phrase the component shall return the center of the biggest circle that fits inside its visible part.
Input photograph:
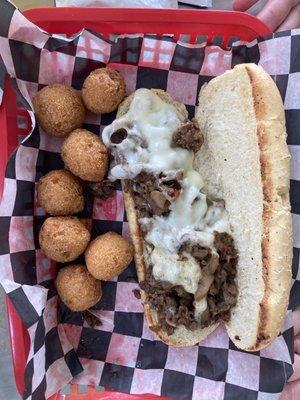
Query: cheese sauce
(150, 124)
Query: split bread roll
(244, 161)
(242, 119)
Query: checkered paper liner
(122, 353)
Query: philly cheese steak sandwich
(208, 207)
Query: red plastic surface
(8, 128)
(91, 394)
(107, 21)
(19, 340)
(159, 21)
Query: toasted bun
(245, 161)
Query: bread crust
(277, 221)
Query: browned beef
(153, 194)
(218, 277)
(91, 319)
(188, 136)
(102, 190)
(118, 136)
(137, 293)
(224, 244)
(223, 292)
(169, 177)
(173, 304)
(201, 254)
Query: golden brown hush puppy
(60, 193)
(85, 155)
(108, 255)
(63, 238)
(77, 288)
(103, 90)
(59, 109)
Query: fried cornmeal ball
(108, 255)
(85, 155)
(63, 238)
(59, 109)
(103, 90)
(60, 193)
(77, 288)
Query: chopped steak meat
(171, 176)
(174, 306)
(118, 136)
(188, 136)
(102, 190)
(153, 194)
(137, 293)
(203, 256)
(223, 292)
(91, 319)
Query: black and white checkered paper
(122, 353)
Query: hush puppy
(59, 109)
(60, 193)
(103, 90)
(77, 288)
(108, 255)
(63, 238)
(85, 155)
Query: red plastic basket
(210, 24)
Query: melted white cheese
(200, 307)
(190, 219)
(185, 273)
(150, 124)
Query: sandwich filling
(189, 253)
